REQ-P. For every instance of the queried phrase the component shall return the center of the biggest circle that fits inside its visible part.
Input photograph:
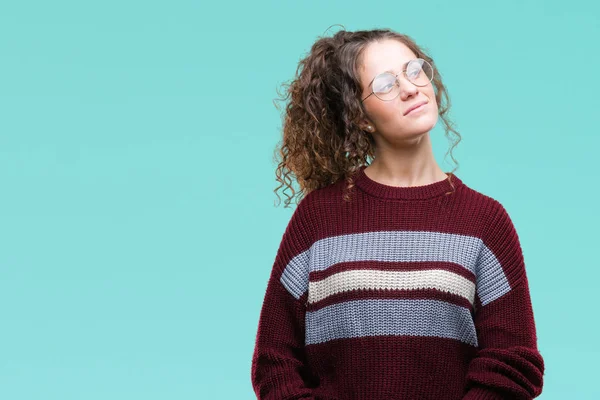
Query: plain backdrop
(138, 224)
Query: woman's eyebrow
(403, 65)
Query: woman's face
(388, 118)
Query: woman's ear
(366, 125)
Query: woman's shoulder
(486, 201)
(484, 207)
(327, 197)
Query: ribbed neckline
(404, 192)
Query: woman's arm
(508, 364)
(278, 363)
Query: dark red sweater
(405, 293)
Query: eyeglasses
(386, 85)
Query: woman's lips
(422, 106)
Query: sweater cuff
(477, 393)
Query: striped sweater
(405, 293)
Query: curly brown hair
(322, 141)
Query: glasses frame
(398, 81)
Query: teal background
(138, 224)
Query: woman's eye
(385, 89)
(414, 72)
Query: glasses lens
(385, 86)
(418, 71)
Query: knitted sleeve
(508, 363)
(278, 364)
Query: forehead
(382, 56)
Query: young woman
(393, 279)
